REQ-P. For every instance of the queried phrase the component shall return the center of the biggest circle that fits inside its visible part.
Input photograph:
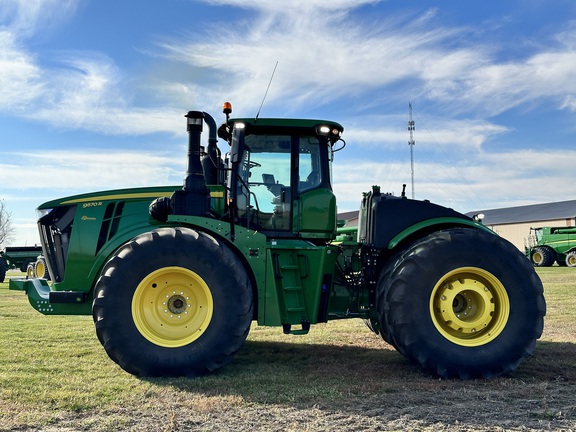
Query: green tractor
(547, 245)
(175, 276)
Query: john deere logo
(88, 218)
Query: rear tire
(173, 302)
(571, 259)
(463, 303)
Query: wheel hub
(459, 303)
(469, 306)
(177, 304)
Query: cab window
(266, 171)
(274, 170)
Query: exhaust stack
(194, 180)
(194, 198)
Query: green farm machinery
(22, 258)
(547, 245)
(174, 276)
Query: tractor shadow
(551, 361)
(380, 384)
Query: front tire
(173, 302)
(463, 303)
(542, 256)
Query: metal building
(514, 223)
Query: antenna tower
(411, 143)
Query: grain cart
(174, 276)
(18, 257)
(547, 245)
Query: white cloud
(89, 170)
(87, 91)
(481, 181)
(545, 75)
(437, 134)
(295, 6)
(89, 96)
(28, 17)
(318, 64)
(363, 61)
(20, 77)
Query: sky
(93, 93)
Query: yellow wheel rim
(172, 307)
(537, 257)
(469, 306)
(40, 269)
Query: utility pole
(411, 143)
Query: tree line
(6, 225)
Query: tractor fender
(425, 227)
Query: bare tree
(6, 227)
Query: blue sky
(93, 92)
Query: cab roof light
(329, 131)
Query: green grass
(53, 368)
(46, 359)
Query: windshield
(538, 234)
(274, 171)
(267, 168)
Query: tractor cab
(279, 176)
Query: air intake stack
(194, 198)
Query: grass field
(55, 376)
